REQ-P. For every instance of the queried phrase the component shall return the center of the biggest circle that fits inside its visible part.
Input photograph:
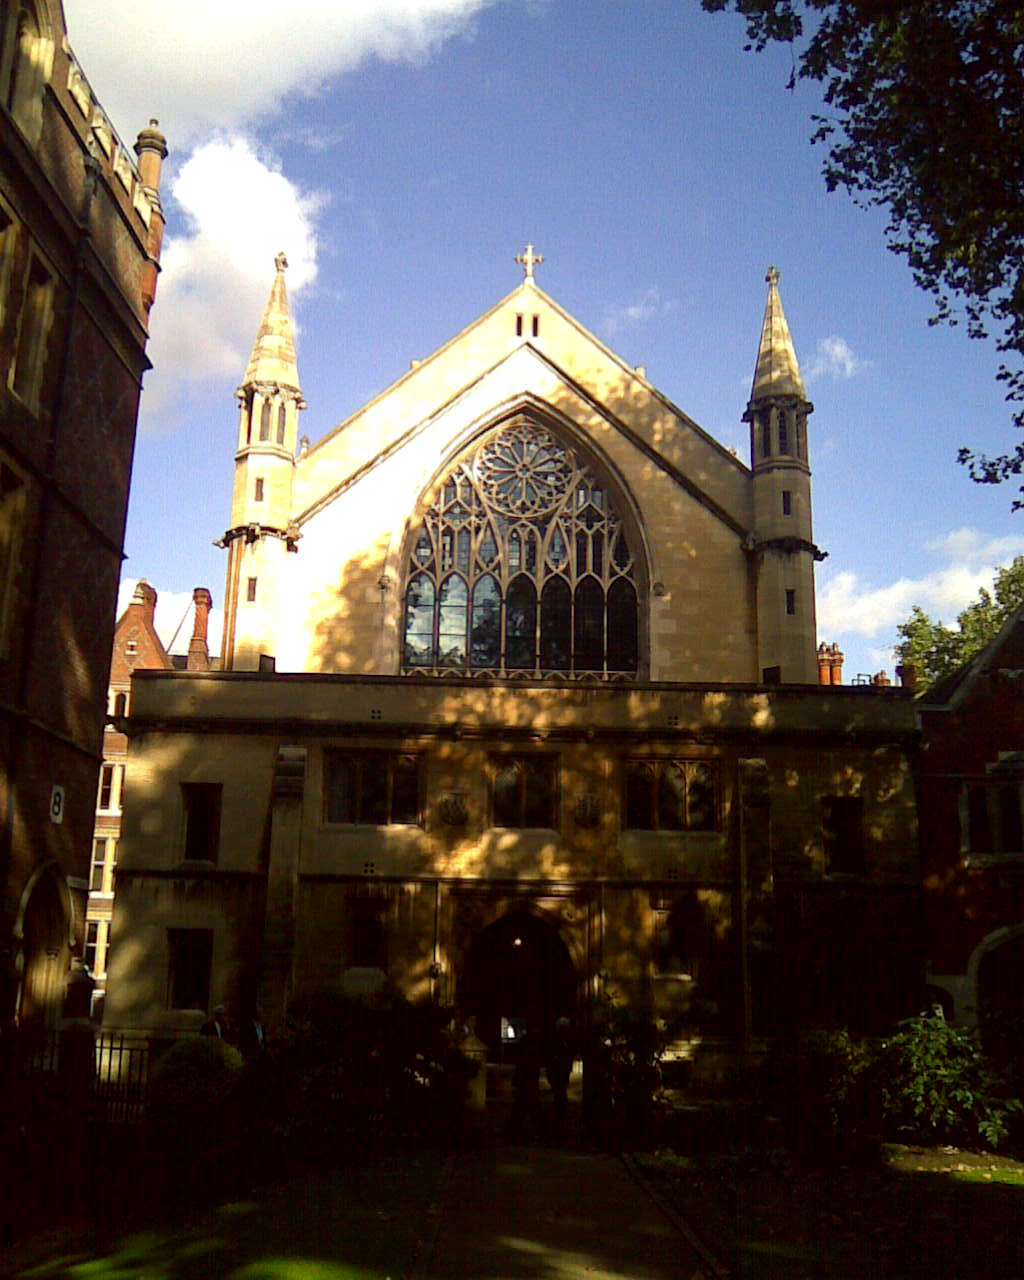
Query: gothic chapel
(519, 711)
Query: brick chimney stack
(906, 674)
(198, 649)
(144, 601)
(151, 148)
(830, 664)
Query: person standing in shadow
(526, 1088)
(558, 1070)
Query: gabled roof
(951, 689)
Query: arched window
(265, 421)
(281, 420)
(522, 567)
(26, 61)
(783, 432)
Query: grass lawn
(915, 1212)
(356, 1223)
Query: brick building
(80, 236)
(520, 710)
(971, 804)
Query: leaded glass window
(522, 567)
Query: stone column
(278, 948)
(756, 896)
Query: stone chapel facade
(519, 710)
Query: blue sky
(403, 151)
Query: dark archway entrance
(517, 969)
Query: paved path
(543, 1213)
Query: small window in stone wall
(980, 829)
(524, 791)
(376, 788)
(367, 935)
(994, 818)
(1010, 827)
(671, 795)
(189, 964)
(201, 802)
(282, 418)
(106, 794)
(842, 819)
(258, 495)
(92, 933)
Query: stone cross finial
(773, 276)
(280, 261)
(528, 260)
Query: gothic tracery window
(522, 567)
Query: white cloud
(174, 617)
(618, 317)
(847, 605)
(199, 65)
(239, 212)
(835, 358)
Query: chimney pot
(198, 648)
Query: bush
(194, 1113)
(622, 1077)
(821, 1091)
(348, 1070)
(937, 1085)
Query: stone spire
(777, 372)
(273, 353)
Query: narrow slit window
(790, 600)
(250, 593)
(259, 489)
(536, 326)
(265, 421)
(787, 503)
(519, 326)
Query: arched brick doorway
(43, 930)
(519, 969)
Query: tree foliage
(924, 119)
(934, 649)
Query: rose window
(521, 567)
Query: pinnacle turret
(777, 372)
(273, 360)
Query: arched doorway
(45, 952)
(518, 972)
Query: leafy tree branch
(925, 121)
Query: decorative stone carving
(453, 809)
(587, 810)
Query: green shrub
(194, 1127)
(820, 1090)
(352, 1069)
(937, 1085)
(623, 1058)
